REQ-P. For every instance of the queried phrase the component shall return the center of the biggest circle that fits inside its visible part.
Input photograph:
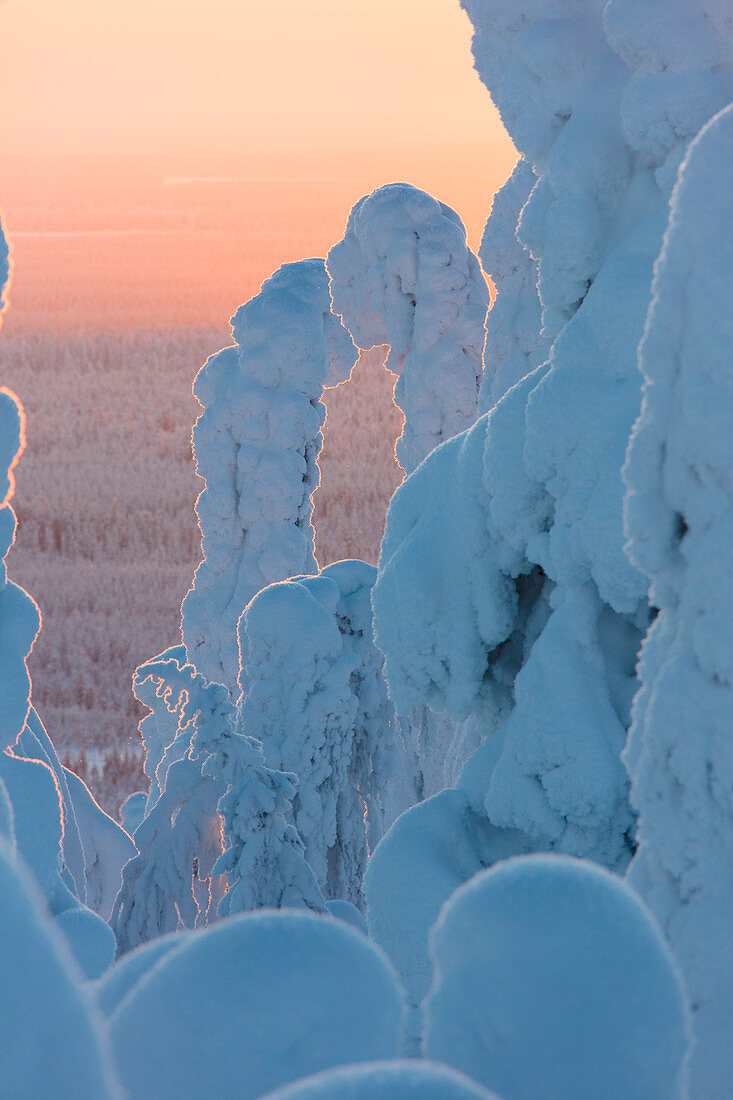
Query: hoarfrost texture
(679, 518)
(256, 446)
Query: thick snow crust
(256, 445)
(408, 1080)
(403, 275)
(551, 979)
(679, 517)
(252, 1004)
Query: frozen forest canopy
(460, 823)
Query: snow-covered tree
(679, 511)
(317, 700)
(524, 612)
(504, 594)
(256, 444)
(168, 884)
(159, 727)
(403, 275)
(219, 811)
(264, 858)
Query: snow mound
(120, 979)
(51, 1043)
(429, 852)
(385, 1081)
(553, 980)
(252, 1004)
(92, 940)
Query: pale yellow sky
(303, 105)
(167, 74)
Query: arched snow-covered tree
(679, 516)
(256, 444)
(403, 275)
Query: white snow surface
(431, 850)
(119, 980)
(256, 446)
(398, 1080)
(679, 517)
(51, 1040)
(252, 1004)
(552, 979)
(403, 275)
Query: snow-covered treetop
(681, 56)
(403, 275)
(557, 84)
(540, 62)
(256, 445)
(679, 518)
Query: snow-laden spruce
(504, 592)
(220, 811)
(681, 56)
(252, 1004)
(552, 980)
(403, 275)
(256, 444)
(316, 699)
(557, 85)
(504, 596)
(679, 516)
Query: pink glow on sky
(278, 114)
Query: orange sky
(290, 110)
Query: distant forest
(108, 540)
